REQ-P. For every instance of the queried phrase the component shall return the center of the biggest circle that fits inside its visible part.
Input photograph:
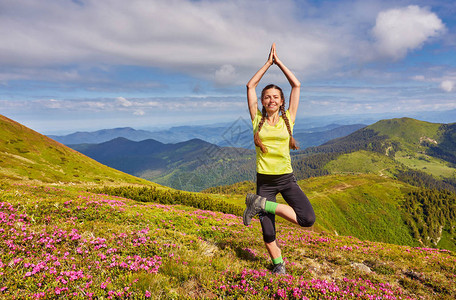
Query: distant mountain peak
(407, 129)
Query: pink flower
(148, 294)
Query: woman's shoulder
(257, 118)
(288, 114)
(258, 115)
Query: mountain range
(192, 165)
(395, 147)
(237, 134)
(172, 135)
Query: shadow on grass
(242, 252)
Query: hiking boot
(279, 269)
(254, 205)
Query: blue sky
(82, 65)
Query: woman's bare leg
(273, 249)
(286, 212)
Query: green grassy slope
(28, 155)
(415, 139)
(387, 147)
(363, 162)
(67, 244)
(367, 206)
(407, 130)
(364, 206)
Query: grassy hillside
(28, 155)
(388, 147)
(69, 244)
(363, 162)
(364, 206)
(420, 145)
(407, 130)
(369, 207)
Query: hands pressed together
(273, 58)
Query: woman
(273, 137)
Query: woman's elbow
(250, 85)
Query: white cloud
(52, 103)
(419, 78)
(92, 105)
(124, 102)
(221, 41)
(444, 78)
(401, 30)
(198, 37)
(152, 104)
(447, 85)
(195, 37)
(137, 106)
(225, 75)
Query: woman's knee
(269, 237)
(307, 220)
(267, 221)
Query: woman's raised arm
(295, 86)
(252, 100)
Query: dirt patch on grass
(341, 186)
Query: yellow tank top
(277, 160)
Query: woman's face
(272, 100)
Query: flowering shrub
(260, 285)
(153, 194)
(55, 260)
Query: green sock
(277, 260)
(271, 207)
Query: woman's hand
(271, 54)
(275, 57)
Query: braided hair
(256, 138)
